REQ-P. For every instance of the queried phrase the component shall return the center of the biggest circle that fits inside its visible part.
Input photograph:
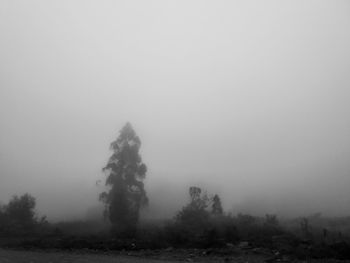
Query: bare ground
(9, 256)
(23, 256)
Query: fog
(247, 99)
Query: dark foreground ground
(152, 256)
(7, 256)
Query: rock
(244, 245)
(261, 251)
(230, 245)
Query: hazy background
(248, 99)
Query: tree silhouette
(21, 209)
(216, 207)
(194, 214)
(125, 173)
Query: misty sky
(249, 99)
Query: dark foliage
(196, 225)
(18, 216)
(216, 208)
(197, 228)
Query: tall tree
(216, 207)
(125, 173)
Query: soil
(17, 256)
(151, 256)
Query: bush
(18, 216)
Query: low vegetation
(198, 225)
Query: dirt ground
(24, 256)
(21, 256)
(10, 256)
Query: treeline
(200, 224)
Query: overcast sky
(249, 99)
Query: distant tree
(216, 207)
(246, 219)
(195, 212)
(271, 220)
(195, 194)
(125, 173)
(3, 218)
(198, 202)
(305, 228)
(18, 217)
(20, 210)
